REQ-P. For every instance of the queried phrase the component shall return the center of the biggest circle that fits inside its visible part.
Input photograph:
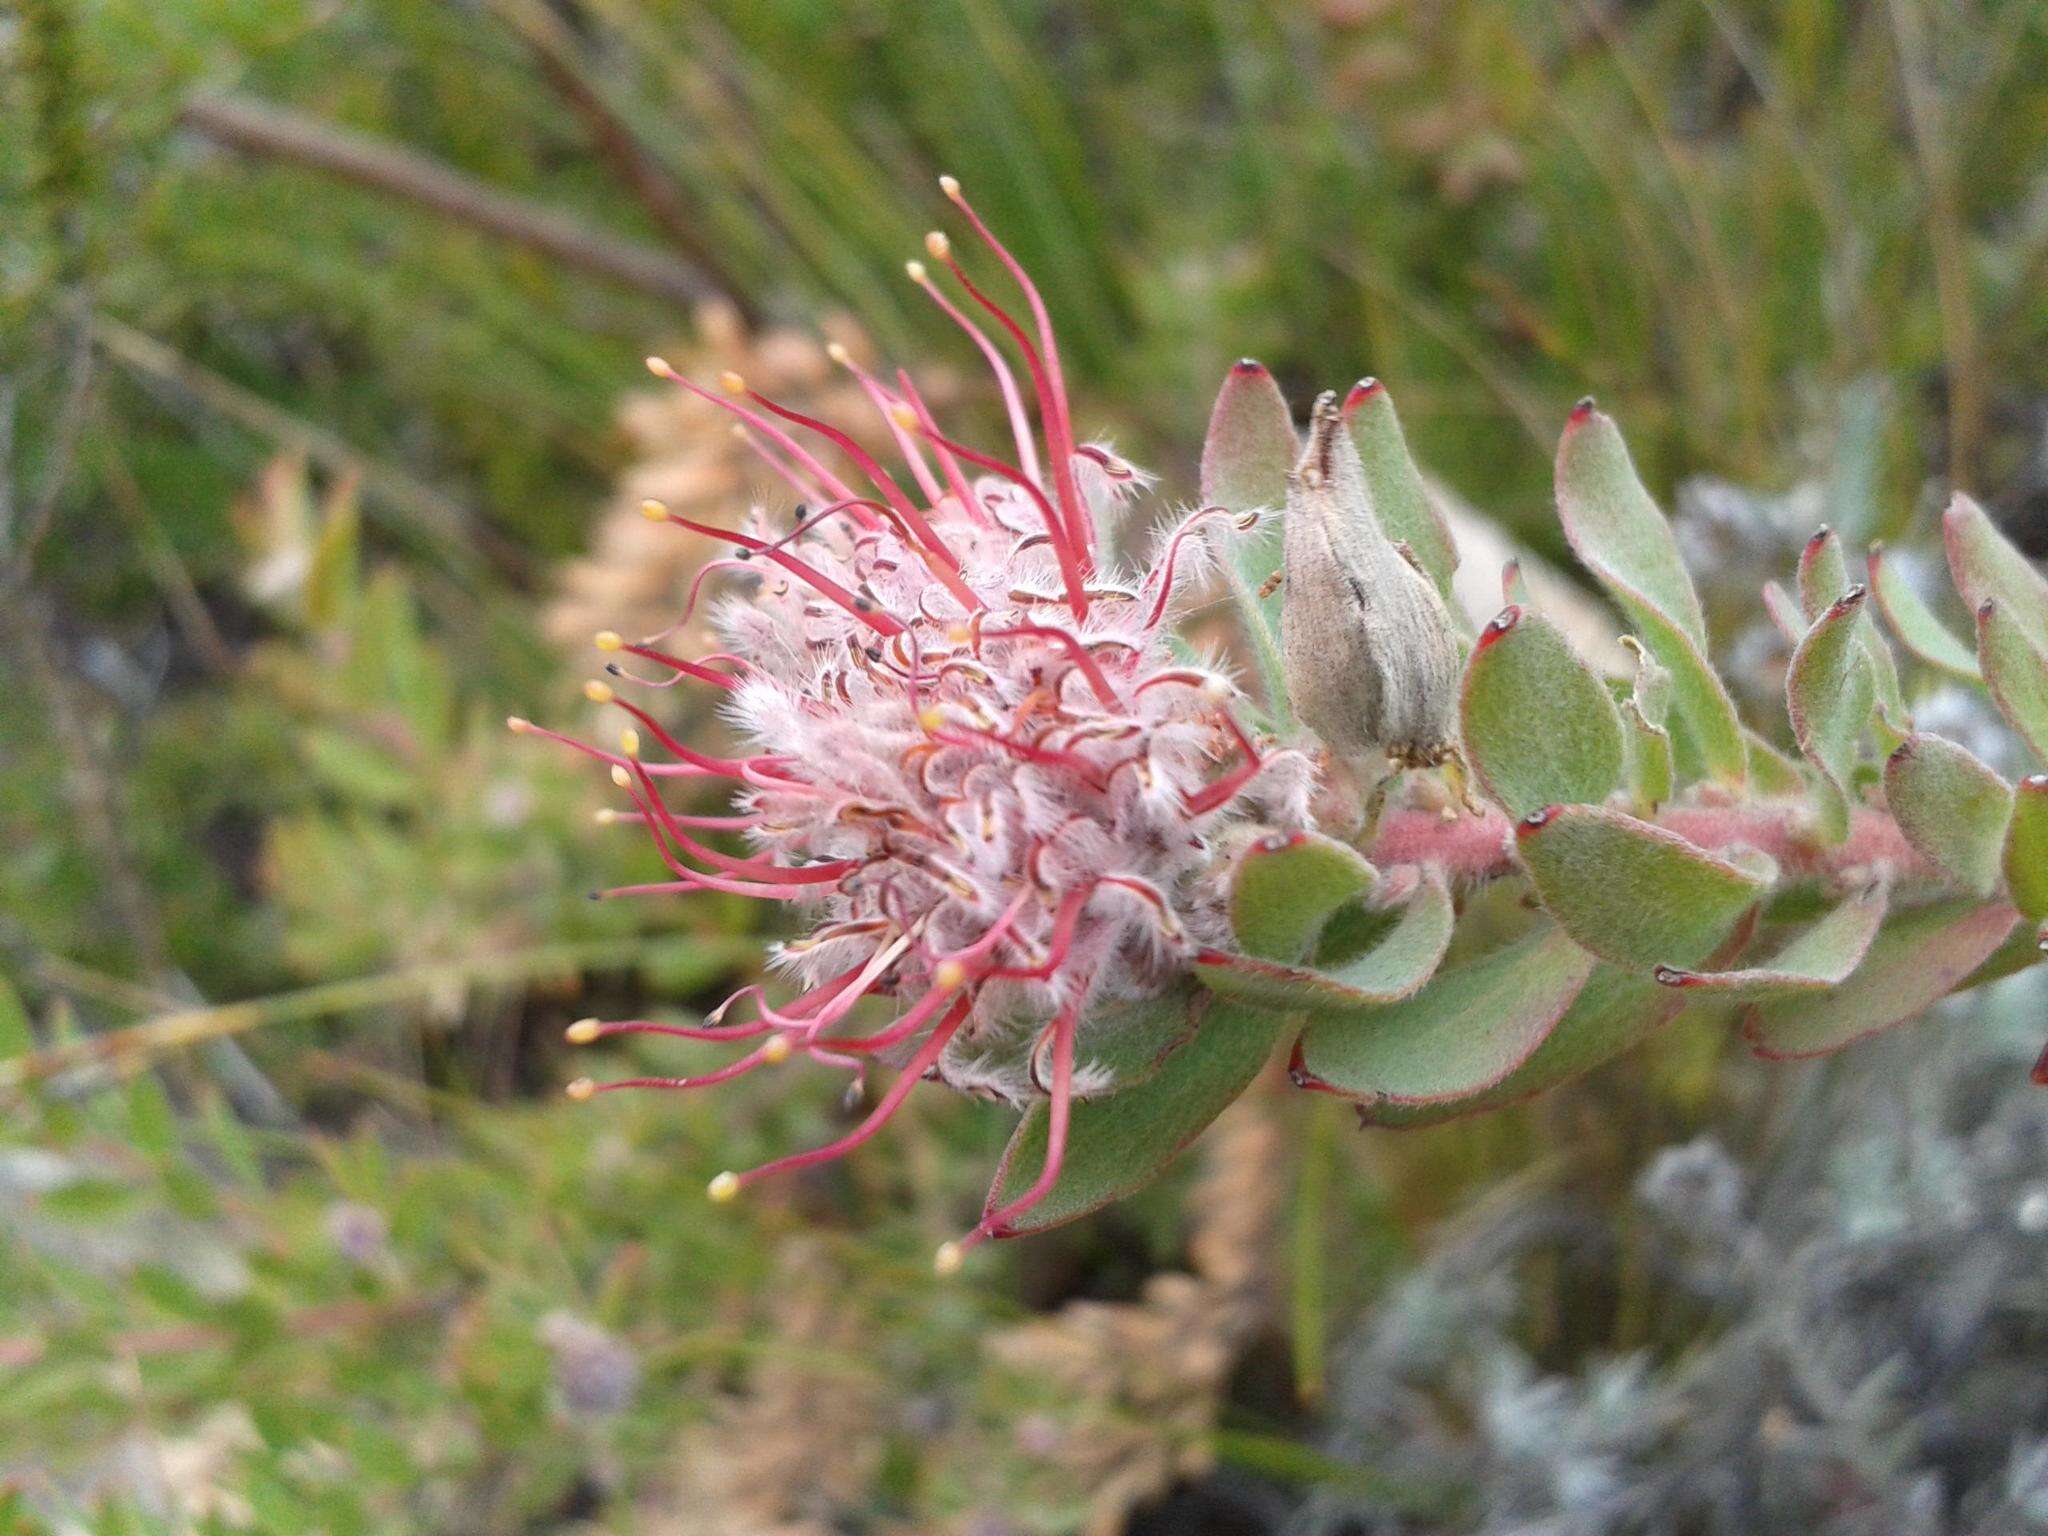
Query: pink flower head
(974, 764)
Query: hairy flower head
(974, 765)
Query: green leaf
(1652, 774)
(1915, 961)
(1823, 582)
(1395, 967)
(1632, 893)
(1951, 807)
(1988, 568)
(1246, 458)
(2026, 848)
(1613, 1012)
(1771, 773)
(1829, 694)
(1118, 1144)
(1287, 887)
(1400, 499)
(1621, 537)
(1820, 956)
(1918, 630)
(1539, 726)
(1124, 1046)
(1784, 612)
(2016, 672)
(1823, 575)
(1460, 1035)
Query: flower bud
(1371, 655)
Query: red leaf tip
(1359, 393)
(1499, 626)
(1299, 1075)
(1581, 411)
(1672, 976)
(1245, 367)
(1536, 821)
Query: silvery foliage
(1857, 1324)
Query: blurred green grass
(1753, 230)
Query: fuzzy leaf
(1829, 694)
(1118, 1144)
(1539, 727)
(1771, 773)
(1621, 537)
(1460, 1035)
(1648, 751)
(1245, 459)
(1395, 967)
(1988, 568)
(1952, 808)
(1915, 961)
(1115, 1049)
(1909, 617)
(2026, 848)
(1784, 612)
(1652, 775)
(1400, 499)
(1287, 887)
(1822, 955)
(1126, 1045)
(2016, 672)
(1613, 1012)
(1824, 581)
(1823, 575)
(1631, 893)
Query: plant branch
(259, 129)
(560, 59)
(185, 1027)
(1479, 848)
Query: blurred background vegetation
(321, 425)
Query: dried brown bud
(1371, 654)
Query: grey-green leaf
(1249, 449)
(1286, 888)
(1951, 807)
(2026, 848)
(1915, 961)
(1460, 1035)
(1919, 631)
(2016, 672)
(1613, 1012)
(1621, 537)
(1632, 893)
(1829, 693)
(1988, 567)
(1539, 727)
(1119, 1144)
(1822, 955)
(1400, 498)
(1395, 967)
